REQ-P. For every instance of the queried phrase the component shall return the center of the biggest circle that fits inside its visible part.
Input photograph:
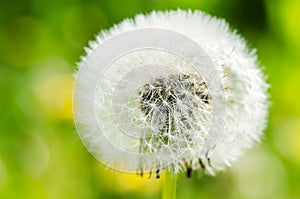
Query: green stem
(169, 186)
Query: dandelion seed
(176, 90)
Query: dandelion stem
(169, 186)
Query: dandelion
(173, 90)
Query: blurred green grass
(41, 155)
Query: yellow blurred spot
(128, 182)
(293, 142)
(55, 95)
(287, 139)
(137, 183)
(289, 13)
(285, 92)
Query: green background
(41, 155)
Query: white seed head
(175, 90)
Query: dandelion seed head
(175, 89)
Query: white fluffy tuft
(244, 87)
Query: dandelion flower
(177, 90)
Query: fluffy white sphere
(175, 90)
